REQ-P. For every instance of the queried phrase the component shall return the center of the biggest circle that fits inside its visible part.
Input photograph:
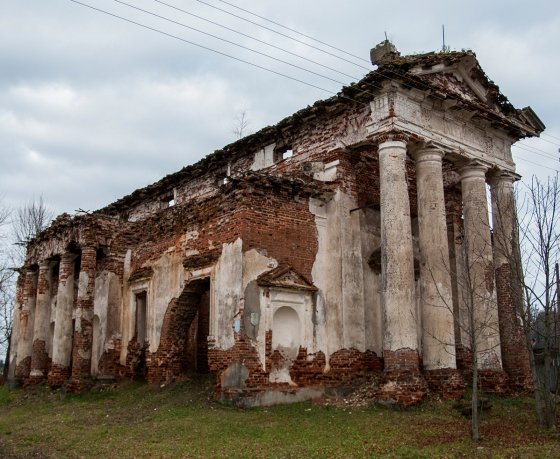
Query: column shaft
(83, 333)
(478, 279)
(62, 339)
(14, 339)
(39, 357)
(400, 340)
(507, 263)
(26, 322)
(438, 337)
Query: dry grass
(135, 420)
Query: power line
(536, 153)
(256, 39)
(279, 48)
(293, 30)
(245, 61)
(537, 164)
(326, 44)
(280, 33)
(551, 136)
(213, 50)
(549, 141)
(231, 42)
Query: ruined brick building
(306, 256)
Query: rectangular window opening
(141, 317)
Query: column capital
(89, 248)
(390, 143)
(502, 177)
(473, 169)
(45, 265)
(383, 138)
(427, 153)
(67, 257)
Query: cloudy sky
(92, 107)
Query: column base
(35, 377)
(39, 364)
(402, 388)
(401, 383)
(493, 381)
(58, 375)
(401, 360)
(448, 383)
(76, 385)
(23, 369)
(521, 383)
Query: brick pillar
(507, 263)
(62, 339)
(39, 357)
(26, 324)
(83, 332)
(438, 335)
(478, 280)
(398, 294)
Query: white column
(397, 256)
(438, 337)
(478, 281)
(63, 332)
(27, 320)
(42, 322)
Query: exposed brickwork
(170, 361)
(401, 360)
(515, 355)
(401, 382)
(448, 383)
(58, 375)
(243, 353)
(402, 387)
(464, 361)
(345, 366)
(109, 362)
(493, 381)
(83, 334)
(39, 363)
(23, 368)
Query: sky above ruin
(93, 107)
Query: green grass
(136, 420)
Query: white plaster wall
(167, 282)
(14, 341)
(287, 338)
(453, 128)
(373, 310)
(338, 274)
(255, 264)
(107, 286)
(327, 274)
(264, 158)
(227, 294)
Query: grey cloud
(92, 108)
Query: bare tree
(528, 240)
(540, 242)
(241, 125)
(26, 223)
(6, 282)
(29, 220)
(477, 319)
